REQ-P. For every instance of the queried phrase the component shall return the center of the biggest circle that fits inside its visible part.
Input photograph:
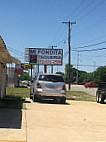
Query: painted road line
(11, 141)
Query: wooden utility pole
(77, 68)
(69, 37)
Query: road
(74, 121)
(91, 91)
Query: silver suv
(48, 86)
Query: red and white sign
(43, 56)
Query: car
(90, 84)
(101, 92)
(48, 86)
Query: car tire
(97, 97)
(63, 101)
(101, 99)
(30, 94)
(34, 98)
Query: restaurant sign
(43, 56)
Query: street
(91, 91)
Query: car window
(53, 78)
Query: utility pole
(52, 65)
(69, 37)
(77, 68)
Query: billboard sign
(43, 56)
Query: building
(5, 58)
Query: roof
(5, 56)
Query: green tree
(25, 76)
(100, 74)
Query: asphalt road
(91, 91)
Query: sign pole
(45, 68)
(31, 71)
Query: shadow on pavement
(10, 118)
(51, 102)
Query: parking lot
(45, 121)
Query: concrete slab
(12, 125)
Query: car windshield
(53, 78)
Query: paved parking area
(74, 121)
(48, 122)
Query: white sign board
(43, 56)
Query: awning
(5, 56)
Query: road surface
(91, 91)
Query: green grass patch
(15, 98)
(80, 96)
(18, 92)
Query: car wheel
(30, 94)
(97, 97)
(57, 100)
(63, 101)
(34, 98)
(101, 99)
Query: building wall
(2, 80)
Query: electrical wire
(84, 8)
(92, 50)
(100, 37)
(95, 44)
(90, 10)
(73, 12)
(15, 50)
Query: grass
(80, 96)
(18, 92)
(15, 98)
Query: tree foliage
(83, 77)
(25, 76)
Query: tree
(25, 76)
(60, 73)
(82, 75)
(100, 74)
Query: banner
(44, 56)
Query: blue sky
(38, 23)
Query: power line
(92, 50)
(95, 44)
(15, 50)
(91, 10)
(75, 9)
(100, 37)
(85, 8)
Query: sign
(19, 70)
(33, 58)
(28, 66)
(43, 56)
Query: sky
(38, 23)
